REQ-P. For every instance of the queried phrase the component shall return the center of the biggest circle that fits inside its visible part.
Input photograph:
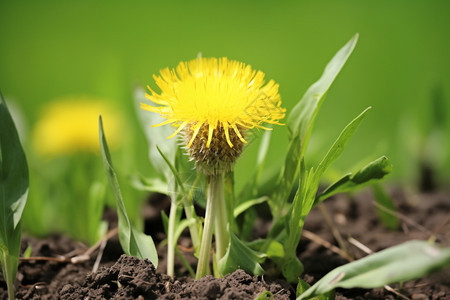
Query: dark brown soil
(132, 278)
(122, 277)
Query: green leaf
(333, 153)
(339, 145)
(95, 206)
(302, 116)
(403, 262)
(181, 225)
(240, 256)
(383, 200)
(275, 250)
(264, 295)
(263, 150)
(247, 204)
(154, 185)
(300, 123)
(292, 268)
(27, 252)
(133, 242)
(165, 220)
(14, 184)
(375, 170)
(230, 199)
(303, 286)
(300, 206)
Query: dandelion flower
(70, 125)
(213, 102)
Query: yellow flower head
(69, 125)
(212, 102)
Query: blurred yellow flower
(69, 125)
(213, 102)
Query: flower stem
(171, 239)
(213, 189)
(221, 220)
(190, 214)
(228, 182)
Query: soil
(123, 277)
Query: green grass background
(50, 49)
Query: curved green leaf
(302, 286)
(403, 262)
(302, 115)
(240, 256)
(300, 123)
(339, 145)
(133, 242)
(14, 184)
(375, 170)
(247, 204)
(14, 181)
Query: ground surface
(122, 277)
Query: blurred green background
(401, 66)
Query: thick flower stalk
(213, 103)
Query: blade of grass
(339, 145)
(300, 123)
(14, 184)
(133, 242)
(309, 183)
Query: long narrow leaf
(339, 145)
(14, 181)
(133, 241)
(375, 170)
(403, 262)
(300, 123)
(14, 184)
(302, 115)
